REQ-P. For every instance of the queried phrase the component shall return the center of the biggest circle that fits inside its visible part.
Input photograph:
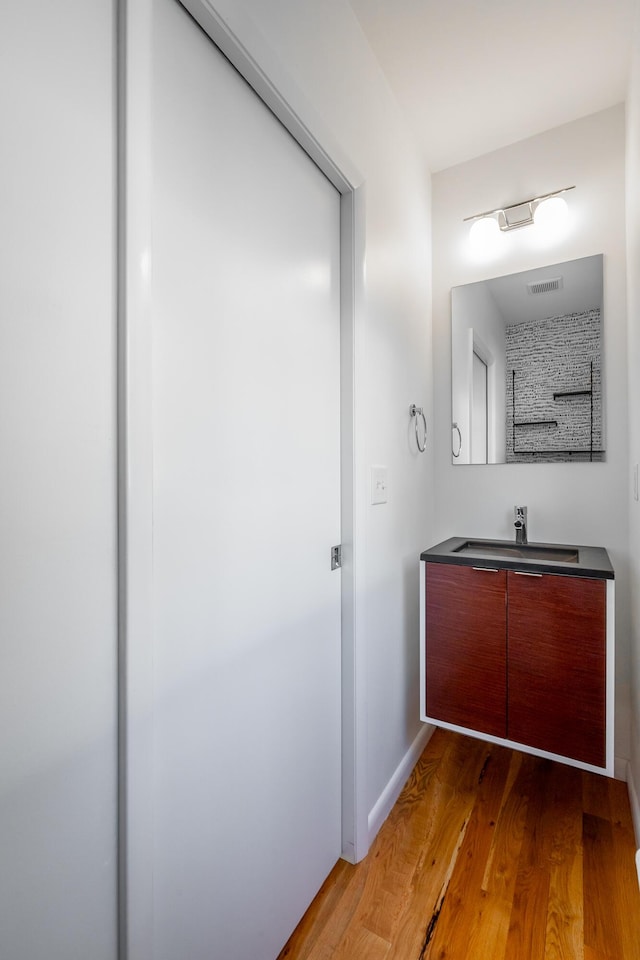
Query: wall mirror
(526, 366)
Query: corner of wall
(634, 801)
(401, 774)
(633, 359)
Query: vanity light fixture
(548, 211)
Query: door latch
(336, 557)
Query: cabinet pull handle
(522, 573)
(486, 569)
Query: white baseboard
(634, 802)
(392, 791)
(620, 768)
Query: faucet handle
(520, 523)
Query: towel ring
(415, 412)
(454, 426)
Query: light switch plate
(379, 484)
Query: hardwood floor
(488, 854)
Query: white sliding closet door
(246, 505)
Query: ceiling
(472, 76)
(580, 289)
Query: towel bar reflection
(454, 426)
(416, 412)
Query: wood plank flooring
(488, 854)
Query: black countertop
(592, 561)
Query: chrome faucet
(520, 523)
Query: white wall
(57, 510)
(574, 503)
(633, 315)
(327, 58)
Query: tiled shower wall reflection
(544, 358)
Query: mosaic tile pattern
(548, 357)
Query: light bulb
(485, 237)
(551, 216)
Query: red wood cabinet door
(557, 661)
(466, 662)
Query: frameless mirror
(526, 366)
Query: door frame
(476, 345)
(237, 37)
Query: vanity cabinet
(519, 657)
(466, 647)
(556, 631)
